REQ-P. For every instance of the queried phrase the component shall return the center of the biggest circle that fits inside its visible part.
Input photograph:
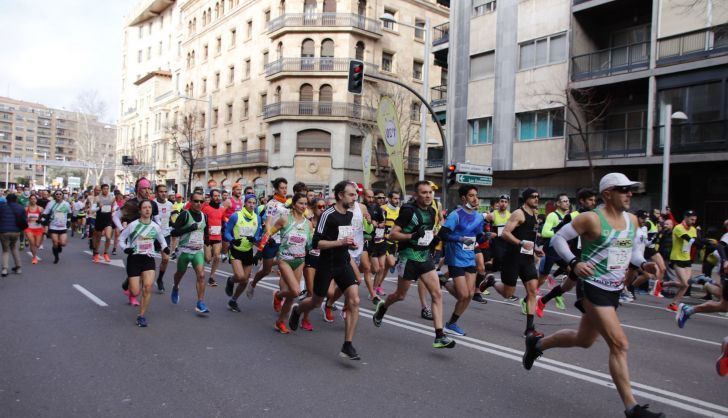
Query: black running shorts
(597, 296)
(341, 273)
(138, 263)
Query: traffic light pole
(445, 162)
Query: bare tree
(90, 144)
(188, 142)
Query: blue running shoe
(682, 315)
(175, 295)
(454, 329)
(201, 308)
(141, 321)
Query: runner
(102, 206)
(312, 260)
(118, 204)
(553, 219)
(333, 238)
(78, 218)
(191, 227)
(683, 237)
(163, 220)
(387, 259)
(177, 207)
(232, 204)
(214, 212)
(242, 230)
(143, 236)
(607, 236)
(57, 218)
(34, 231)
(721, 365)
(414, 229)
(374, 240)
(500, 218)
(90, 218)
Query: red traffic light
(452, 168)
(358, 68)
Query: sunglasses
(321, 206)
(381, 197)
(533, 196)
(198, 201)
(623, 189)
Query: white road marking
(90, 295)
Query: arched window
(309, 7)
(326, 95)
(359, 54)
(308, 49)
(362, 8)
(204, 17)
(192, 89)
(217, 11)
(305, 97)
(282, 8)
(277, 95)
(329, 6)
(313, 140)
(327, 55)
(279, 50)
(222, 8)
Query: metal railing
(700, 44)
(325, 20)
(233, 159)
(441, 34)
(438, 96)
(606, 62)
(319, 109)
(609, 143)
(696, 137)
(305, 64)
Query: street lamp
(667, 143)
(389, 18)
(208, 124)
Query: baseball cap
(504, 197)
(615, 180)
(178, 195)
(642, 213)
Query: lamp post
(667, 143)
(389, 18)
(208, 124)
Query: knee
(436, 297)
(619, 345)
(353, 302)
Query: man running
(563, 204)
(607, 236)
(177, 207)
(57, 217)
(268, 245)
(214, 211)
(414, 230)
(102, 207)
(683, 237)
(163, 220)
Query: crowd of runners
(324, 248)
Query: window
(233, 33)
(388, 24)
(387, 61)
(246, 72)
(217, 80)
(541, 124)
(228, 148)
(246, 108)
(276, 143)
(139, 56)
(481, 7)
(205, 52)
(480, 131)
(149, 52)
(482, 65)
(313, 140)
(419, 29)
(263, 102)
(204, 85)
(231, 74)
(417, 70)
(543, 51)
(355, 144)
(266, 16)
(249, 29)
(229, 113)
(215, 114)
(141, 31)
(218, 45)
(159, 49)
(265, 59)
(415, 112)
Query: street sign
(474, 179)
(474, 168)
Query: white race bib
(470, 247)
(215, 230)
(106, 209)
(500, 230)
(379, 234)
(345, 231)
(145, 246)
(297, 247)
(165, 223)
(59, 220)
(196, 239)
(426, 239)
(524, 250)
(246, 231)
(33, 220)
(618, 258)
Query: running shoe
(233, 306)
(107, 258)
(17, 270)
(35, 260)
(376, 300)
(379, 291)
(532, 332)
(478, 297)
(201, 308)
(524, 306)
(559, 300)
(540, 306)
(250, 290)
(212, 282)
(175, 295)
(640, 411)
(378, 314)
(349, 352)
(113, 251)
(443, 342)
(328, 315)
(277, 302)
(485, 292)
(488, 282)
(141, 321)
(672, 307)
(512, 299)
(721, 365)
(624, 297)
(306, 325)
(229, 286)
(160, 285)
(293, 318)
(302, 295)
(657, 290)
(682, 316)
(96, 258)
(281, 327)
(551, 280)
(454, 329)
(426, 313)
(4, 273)
(133, 301)
(531, 353)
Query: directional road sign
(474, 179)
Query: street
(71, 348)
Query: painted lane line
(90, 295)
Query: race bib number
(246, 231)
(106, 209)
(297, 246)
(59, 220)
(470, 247)
(345, 231)
(145, 246)
(33, 220)
(618, 258)
(215, 230)
(357, 224)
(500, 230)
(196, 239)
(524, 250)
(379, 234)
(426, 239)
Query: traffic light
(451, 174)
(356, 76)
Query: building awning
(152, 9)
(158, 73)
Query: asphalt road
(63, 354)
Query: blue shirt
(462, 224)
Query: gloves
(129, 251)
(236, 242)
(166, 250)
(257, 257)
(419, 232)
(250, 239)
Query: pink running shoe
(133, 301)
(551, 280)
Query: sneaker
(721, 365)
(96, 258)
(512, 299)
(378, 314)
(302, 295)
(488, 282)
(682, 315)
(376, 300)
(443, 342)
(379, 291)
(672, 307)
(293, 318)
(342, 313)
(281, 327)
(107, 258)
(540, 306)
(524, 306)
(559, 300)
(454, 329)
(160, 285)
(35, 260)
(531, 353)
(640, 411)
(212, 282)
(657, 289)
(175, 295)
(277, 302)
(233, 306)
(349, 352)
(306, 325)
(551, 281)
(4, 273)
(113, 251)
(17, 270)
(141, 321)
(133, 301)
(173, 256)
(229, 286)
(485, 292)
(478, 297)
(250, 291)
(328, 315)
(529, 332)
(201, 308)
(426, 313)
(624, 297)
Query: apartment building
(583, 83)
(35, 132)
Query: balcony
(313, 65)
(697, 137)
(613, 143)
(319, 110)
(441, 34)
(235, 159)
(612, 61)
(438, 97)
(690, 46)
(318, 21)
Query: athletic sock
(439, 333)
(556, 291)
(161, 274)
(454, 318)
(529, 322)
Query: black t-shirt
(375, 211)
(43, 202)
(130, 210)
(328, 230)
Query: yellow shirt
(390, 215)
(680, 246)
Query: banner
(366, 160)
(388, 122)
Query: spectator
(13, 221)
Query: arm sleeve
(123, 237)
(560, 242)
(638, 255)
(47, 209)
(116, 218)
(230, 227)
(548, 227)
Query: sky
(52, 50)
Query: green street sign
(474, 179)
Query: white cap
(615, 180)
